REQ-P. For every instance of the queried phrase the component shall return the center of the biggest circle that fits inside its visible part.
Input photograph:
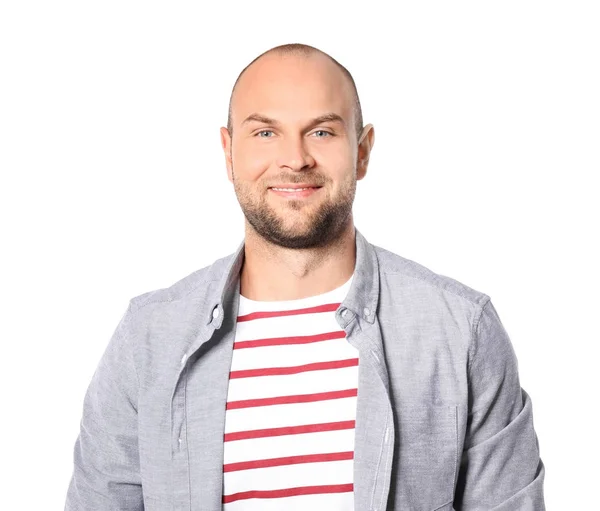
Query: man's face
(290, 150)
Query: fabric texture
(442, 422)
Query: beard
(319, 227)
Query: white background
(113, 183)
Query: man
(310, 369)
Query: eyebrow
(328, 117)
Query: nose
(294, 155)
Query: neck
(272, 273)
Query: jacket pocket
(427, 457)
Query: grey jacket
(442, 421)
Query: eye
(323, 131)
(263, 131)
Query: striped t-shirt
(291, 407)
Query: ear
(365, 144)
(226, 145)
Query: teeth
(290, 189)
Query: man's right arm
(106, 472)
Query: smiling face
(293, 126)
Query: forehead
(290, 88)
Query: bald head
(306, 52)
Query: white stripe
(289, 445)
(329, 501)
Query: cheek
(338, 159)
(250, 164)
(345, 173)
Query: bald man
(309, 369)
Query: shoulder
(185, 288)
(408, 273)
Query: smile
(294, 193)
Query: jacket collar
(362, 297)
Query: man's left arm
(501, 468)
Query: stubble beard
(324, 226)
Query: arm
(501, 468)
(106, 472)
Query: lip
(310, 190)
(296, 185)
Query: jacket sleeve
(500, 468)
(106, 472)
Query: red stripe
(277, 371)
(300, 339)
(288, 492)
(328, 307)
(288, 460)
(289, 430)
(284, 400)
